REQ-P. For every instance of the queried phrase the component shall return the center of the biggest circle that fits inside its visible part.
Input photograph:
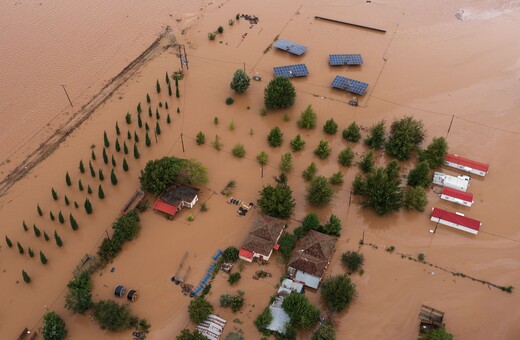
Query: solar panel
(350, 85)
(298, 70)
(291, 47)
(345, 59)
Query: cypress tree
(146, 127)
(136, 137)
(89, 190)
(67, 179)
(54, 194)
(73, 223)
(168, 119)
(148, 142)
(167, 78)
(81, 167)
(76, 205)
(139, 121)
(37, 231)
(45, 236)
(128, 118)
(113, 161)
(176, 88)
(43, 259)
(139, 110)
(61, 218)
(125, 148)
(105, 156)
(101, 194)
(178, 110)
(105, 138)
(170, 90)
(150, 114)
(92, 171)
(26, 277)
(166, 105)
(136, 152)
(157, 115)
(157, 128)
(51, 215)
(148, 100)
(20, 248)
(67, 202)
(128, 135)
(93, 155)
(58, 240)
(40, 212)
(30, 251)
(88, 206)
(118, 132)
(113, 177)
(8, 241)
(118, 147)
(158, 87)
(80, 185)
(25, 228)
(125, 165)
(100, 174)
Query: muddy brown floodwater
(451, 63)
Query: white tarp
(308, 279)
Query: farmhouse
(455, 220)
(176, 197)
(457, 196)
(311, 258)
(460, 182)
(464, 164)
(262, 239)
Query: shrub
(229, 101)
(26, 277)
(336, 178)
(232, 125)
(286, 164)
(352, 133)
(303, 314)
(366, 164)
(217, 144)
(297, 143)
(338, 292)
(352, 260)
(421, 257)
(187, 335)
(346, 156)
(236, 302)
(263, 320)
(319, 192)
(275, 137)
(330, 127)
(53, 327)
(262, 158)
(308, 174)
(79, 295)
(325, 331)
(376, 135)
(323, 150)
(279, 94)
(308, 119)
(437, 334)
(215, 120)
(406, 135)
(231, 22)
(287, 244)
(435, 153)
(113, 316)
(230, 254)
(212, 35)
(220, 29)
(234, 278)
(415, 198)
(263, 112)
(201, 138)
(199, 309)
(240, 81)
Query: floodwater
(452, 64)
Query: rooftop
(176, 193)
(313, 252)
(264, 233)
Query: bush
(366, 164)
(199, 309)
(308, 119)
(229, 101)
(333, 226)
(236, 302)
(326, 331)
(437, 334)
(240, 81)
(303, 314)
(53, 327)
(275, 137)
(308, 174)
(263, 320)
(279, 94)
(346, 156)
(220, 29)
(376, 135)
(420, 175)
(286, 164)
(187, 335)
(287, 243)
(415, 198)
(421, 257)
(297, 143)
(277, 201)
(262, 158)
(234, 278)
(201, 138)
(406, 135)
(336, 178)
(230, 254)
(338, 292)
(217, 143)
(238, 151)
(330, 127)
(113, 316)
(323, 150)
(319, 192)
(79, 295)
(352, 260)
(311, 221)
(352, 133)
(435, 153)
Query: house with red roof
(455, 220)
(468, 165)
(457, 196)
(176, 197)
(262, 239)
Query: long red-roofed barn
(468, 165)
(455, 220)
(262, 239)
(457, 196)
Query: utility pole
(449, 128)
(244, 66)
(64, 89)
(182, 143)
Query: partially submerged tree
(415, 198)
(376, 135)
(79, 295)
(338, 292)
(420, 175)
(323, 149)
(279, 94)
(406, 136)
(437, 334)
(287, 243)
(240, 81)
(352, 260)
(366, 164)
(199, 309)
(326, 331)
(319, 192)
(352, 133)
(303, 314)
(286, 164)
(330, 127)
(53, 327)
(277, 201)
(435, 152)
(308, 118)
(309, 173)
(346, 156)
(113, 316)
(297, 143)
(275, 137)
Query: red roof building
(464, 164)
(175, 197)
(165, 207)
(262, 239)
(457, 196)
(455, 220)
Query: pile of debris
(260, 274)
(253, 19)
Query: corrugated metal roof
(465, 196)
(165, 207)
(467, 162)
(308, 279)
(455, 218)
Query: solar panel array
(350, 85)
(291, 47)
(345, 59)
(298, 70)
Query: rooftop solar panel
(291, 47)
(345, 59)
(298, 70)
(350, 85)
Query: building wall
(456, 200)
(465, 168)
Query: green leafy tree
(262, 158)
(437, 334)
(58, 240)
(309, 173)
(61, 218)
(287, 243)
(136, 152)
(43, 258)
(279, 94)
(319, 192)
(333, 226)
(352, 133)
(240, 81)
(105, 156)
(88, 206)
(238, 151)
(420, 175)
(338, 292)
(8, 242)
(376, 135)
(26, 277)
(435, 153)
(234, 278)
(54, 194)
(230, 254)
(114, 317)
(199, 309)
(303, 314)
(297, 143)
(263, 320)
(40, 211)
(346, 156)
(415, 198)
(277, 201)
(323, 149)
(93, 155)
(125, 165)
(105, 139)
(366, 164)
(73, 223)
(113, 177)
(286, 164)
(406, 135)
(37, 231)
(330, 127)
(81, 167)
(326, 331)
(67, 180)
(275, 137)
(308, 119)
(79, 295)
(336, 178)
(53, 327)
(352, 260)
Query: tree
(125, 165)
(45, 236)
(199, 309)
(24, 226)
(230, 254)
(58, 240)
(276, 201)
(275, 137)
(352, 133)
(262, 158)
(114, 161)
(40, 212)
(435, 153)
(67, 180)
(139, 121)
(136, 152)
(263, 320)
(346, 156)
(125, 147)
(101, 193)
(297, 143)
(157, 128)
(128, 135)
(279, 94)
(101, 175)
(66, 199)
(352, 260)
(148, 99)
(170, 92)
(376, 135)
(128, 118)
(200, 138)
(406, 135)
(80, 186)
(89, 190)
(366, 164)
(126, 227)
(319, 192)
(136, 137)
(37, 231)
(118, 131)
(88, 206)
(105, 139)
(92, 171)
(26, 277)
(326, 331)
(240, 81)
(336, 178)
(303, 314)
(187, 335)
(105, 156)
(113, 177)
(73, 223)
(81, 167)
(323, 150)
(338, 292)
(437, 334)
(168, 118)
(158, 87)
(420, 175)
(415, 198)
(54, 194)
(79, 295)
(238, 151)
(93, 155)
(20, 248)
(330, 127)
(308, 119)
(113, 316)
(61, 218)
(287, 243)
(234, 278)
(139, 109)
(8, 242)
(308, 174)
(51, 215)
(236, 302)
(53, 327)
(43, 258)
(118, 146)
(333, 226)
(148, 142)
(286, 164)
